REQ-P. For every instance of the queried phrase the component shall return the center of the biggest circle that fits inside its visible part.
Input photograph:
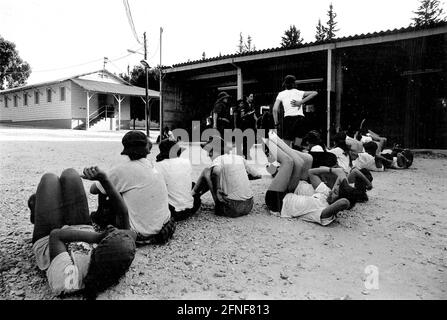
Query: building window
(6, 101)
(62, 93)
(16, 99)
(25, 99)
(48, 95)
(36, 97)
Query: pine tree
(245, 46)
(240, 46)
(428, 12)
(291, 38)
(331, 23)
(320, 34)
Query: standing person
(226, 179)
(292, 99)
(248, 122)
(177, 175)
(60, 214)
(143, 190)
(221, 113)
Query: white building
(98, 100)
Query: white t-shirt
(316, 148)
(342, 159)
(145, 194)
(308, 207)
(366, 161)
(234, 179)
(177, 175)
(286, 98)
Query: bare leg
(302, 161)
(203, 184)
(282, 179)
(75, 205)
(356, 174)
(334, 208)
(48, 213)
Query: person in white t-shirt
(294, 127)
(318, 205)
(342, 151)
(177, 175)
(226, 179)
(143, 190)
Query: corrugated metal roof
(113, 88)
(310, 44)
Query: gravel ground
(402, 231)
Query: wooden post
(338, 91)
(119, 99)
(329, 85)
(87, 123)
(240, 84)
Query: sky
(61, 38)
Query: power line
(78, 65)
(130, 19)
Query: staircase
(103, 112)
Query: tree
(13, 70)
(331, 23)
(245, 46)
(320, 35)
(327, 32)
(138, 78)
(291, 38)
(428, 12)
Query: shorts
(41, 247)
(294, 127)
(273, 200)
(66, 273)
(234, 208)
(166, 233)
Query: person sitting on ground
(166, 134)
(226, 179)
(368, 159)
(397, 158)
(342, 152)
(318, 206)
(143, 190)
(177, 175)
(60, 214)
(317, 149)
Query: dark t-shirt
(222, 110)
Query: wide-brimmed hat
(134, 142)
(169, 149)
(222, 95)
(289, 80)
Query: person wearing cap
(63, 235)
(143, 190)
(222, 114)
(177, 175)
(226, 179)
(293, 100)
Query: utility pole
(161, 87)
(147, 109)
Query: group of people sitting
(139, 202)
